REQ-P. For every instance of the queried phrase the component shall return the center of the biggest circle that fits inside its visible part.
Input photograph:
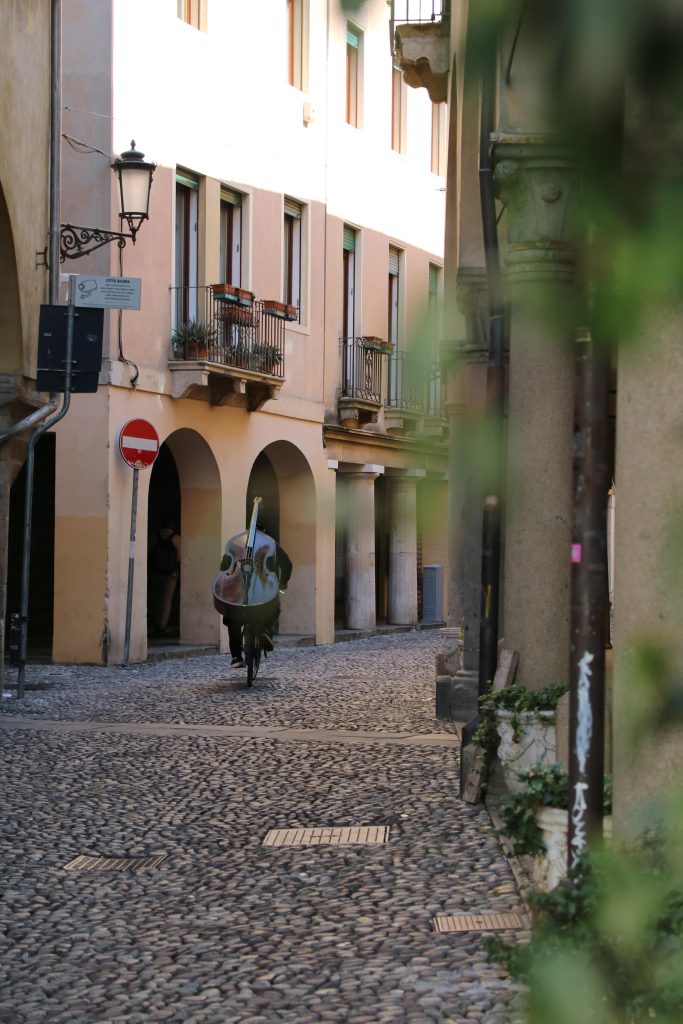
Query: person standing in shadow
(164, 565)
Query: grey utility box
(432, 593)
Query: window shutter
(229, 195)
(183, 178)
(393, 261)
(433, 279)
(352, 37)
(349, 239)
(292, 209)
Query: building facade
(584, 156)
(286, 345)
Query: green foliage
(192, 332)
(545, 785)
(517, 700)
(607, 944)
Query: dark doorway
(41, 577)
(382, 506)
(263, 484)
(164, 510)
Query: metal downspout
(495, 383)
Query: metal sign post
(139, 447)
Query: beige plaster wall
(648, 566)
(24, 177)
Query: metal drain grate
(477, 922)
(82, 863)
(333, 836)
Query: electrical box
(432, 593)
(87, 349)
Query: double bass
(249, 586)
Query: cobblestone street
(179, 758)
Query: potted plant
(376, 344)
(191, 339)
(519, 727)
(266, 357)
(281, 309)
(231, 293)
(535, 821)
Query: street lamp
(135, 182)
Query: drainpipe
(495, 381)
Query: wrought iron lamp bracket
(75, 241)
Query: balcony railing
(435, 406)
(406, 383)
(362, 370)
(244, 334)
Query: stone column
(536, 179)
(402, 609)
(360, 548)
(458, 663)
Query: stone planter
(545, 872)
(525, 738)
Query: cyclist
(283, 570)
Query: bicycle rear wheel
(252, 652)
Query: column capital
(537, 178)
(405, 474)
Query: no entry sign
(139, 443)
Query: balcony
(360, 397)
(405, 402)
(228, 347)
(420, 40)
(435, 421)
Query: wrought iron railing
(361, 370)
(435, 405)
(406, 382)
(241, 334)
(414, 12)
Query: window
(434, 397)
(354, 44)
(295, 38)
(438, 154)
(186, 246)
(291, 254)
(397, 109)
(392, 324)
(190, 11)
(349, 297)
(231, 237)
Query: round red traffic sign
(139, 443)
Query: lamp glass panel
(134, 191)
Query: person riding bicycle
(282, 568)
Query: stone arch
(296, 529)
(11, 349)
(200, 534)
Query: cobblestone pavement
(178, 757)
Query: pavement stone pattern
(225, 930)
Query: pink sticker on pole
(576, 554)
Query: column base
(457, 696)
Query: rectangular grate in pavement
(83, 863)
(341, 835)
(477, 922)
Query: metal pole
(588, 557)
(28, 505)
(131, 567)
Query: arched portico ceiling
(195, 462)
(11, 349)
(289, 461)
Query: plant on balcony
(191, 339)
(376, 344)
(266, 357)
(281, 309)
(231, 293)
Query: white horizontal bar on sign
(141, 444)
